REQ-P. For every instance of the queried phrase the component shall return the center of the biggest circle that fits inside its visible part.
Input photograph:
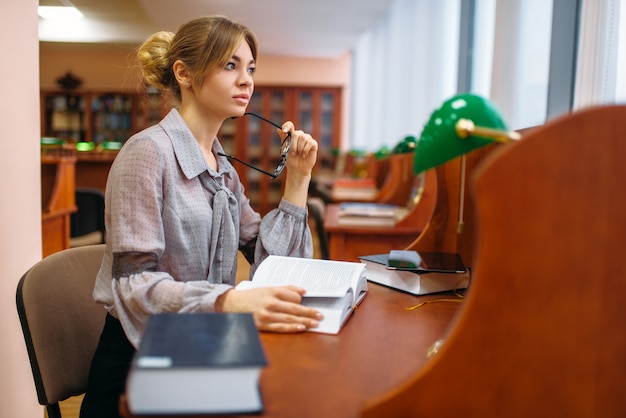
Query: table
(382, 344)
(349, 242)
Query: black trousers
(107, 376)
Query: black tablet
(424, 262)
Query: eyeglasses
(284, 151)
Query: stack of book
(417, 273)
(370, 214)
(354, 189)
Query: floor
(70, 408)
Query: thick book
(374, 221)
(368, 209)
(197, 363)
(370, 214)
(412, 281)
(335, 288)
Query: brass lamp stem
(465, 128)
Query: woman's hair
(203, 44)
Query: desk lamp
(463, 123)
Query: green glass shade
(441, 140)
(85, 146)
(407, 145)
(357, 152)
(111, 145)
(48, 141)
(383, 152)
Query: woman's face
(226, 92)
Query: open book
(334, 288)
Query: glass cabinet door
(111, 117)
(65, 117)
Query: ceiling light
(59, 13)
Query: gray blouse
(174, 227)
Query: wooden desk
(92, 168)
(349, 242)
(382, 345)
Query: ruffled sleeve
(284, 231)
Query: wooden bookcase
(101, 116)
(98, 116)
(316, 110)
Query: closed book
(412, 281)
(368, 209)
(197, 363)
(365, 221)
(370, 214)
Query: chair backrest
(61, 321)
(89, 216)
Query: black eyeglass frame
(285, 146)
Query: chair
(87, 223)
(61, 322)
(317, 208)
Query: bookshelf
(115, 116)
(98, 116)
(316, 110)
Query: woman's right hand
(276, 309)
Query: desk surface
(381, 345)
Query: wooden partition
(348, 242)
(378, 169)
(92, 169)
(396, 188)
(542, 330)
(57, 200)
(451, 227)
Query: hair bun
(153, 59)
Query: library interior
(511, 162)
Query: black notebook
(197, 363)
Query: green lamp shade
(383, 152)
(48, 141)
(84, 146)
(443, 137)
(111, 145)
(407, 145)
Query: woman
(176, 213)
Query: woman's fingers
(276, 309)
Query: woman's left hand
(303, 152)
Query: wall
(20, 207)
(112, 68)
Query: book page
(335, 311)
(318, 277)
